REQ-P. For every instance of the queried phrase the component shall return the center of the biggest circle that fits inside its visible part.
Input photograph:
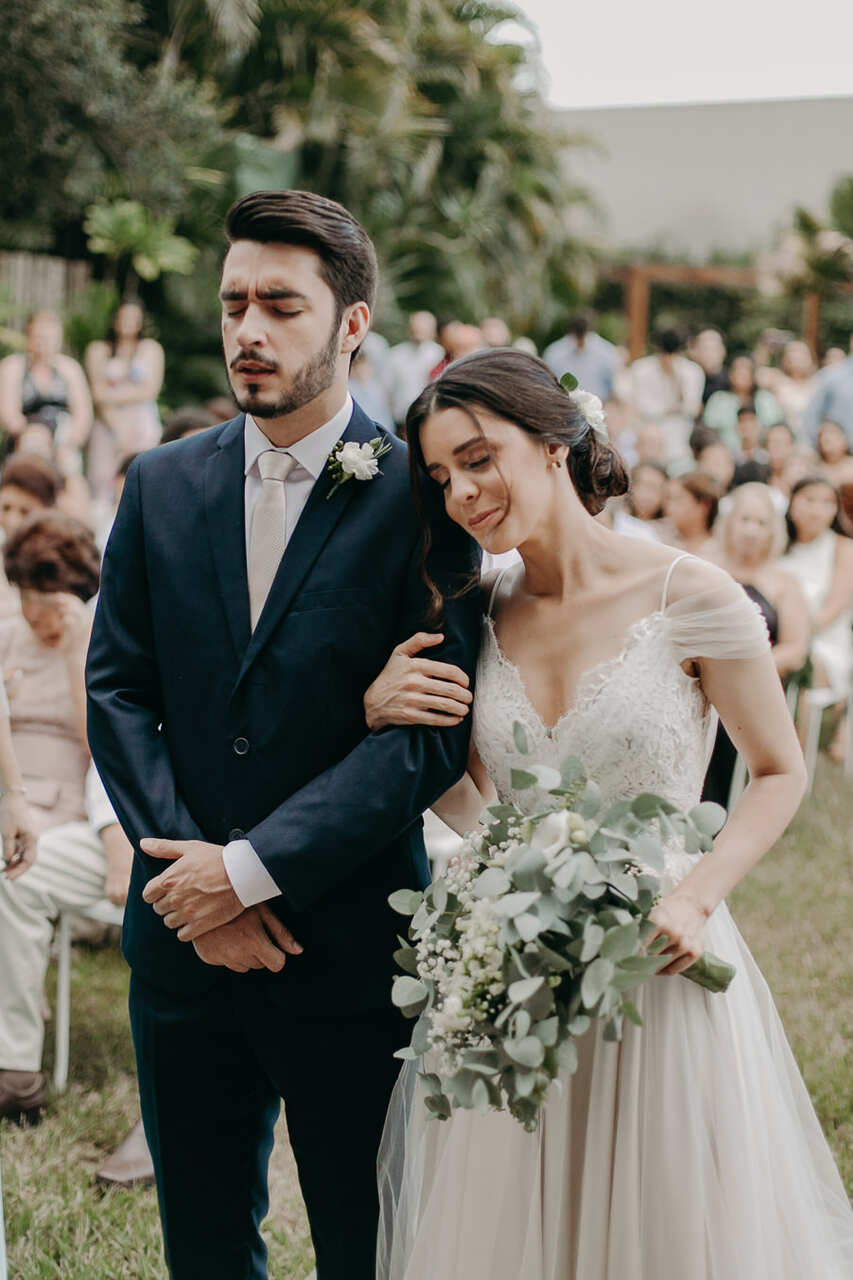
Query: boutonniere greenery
(353, 461)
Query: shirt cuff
(249, 878)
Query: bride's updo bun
(521, 389)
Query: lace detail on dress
(638, 722)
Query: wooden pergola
(640, 276)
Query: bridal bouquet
(538, 926)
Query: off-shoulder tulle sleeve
(718, 622)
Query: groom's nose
(251, 331)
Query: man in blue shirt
(592, 359)
(832, 400)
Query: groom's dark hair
(343, 246)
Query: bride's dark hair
(521, 389)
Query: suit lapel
(318, 519)
(226, 526)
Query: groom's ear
(355, 324)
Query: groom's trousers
(212, 1071)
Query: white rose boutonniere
(588, 404)
(356, 461)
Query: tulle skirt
(690, 1151)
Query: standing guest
(368, 388)
(749, 536)
(54, 561)
(457, 340)
(833, 449)
(833, 399)
(780, 446)
(410, 363)
(833, 355)
(690, 507)
(708, 349)
(126, 374)
(641, 511)
(666, 389)
(28, 485)
(721, 411)
(715, 461)
(42, 383)
(752, 464)
(793, 383)
(495, 331)
(592, 359)
(821, 559)
(186, 421)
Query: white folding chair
(102, 913)
(816, 701)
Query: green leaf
(438, 895)
(569, 382)
(514, 904)
(407, 959)
(579, 1025)
(480, 1096)
(521, 779)
(405, 901)
(710, 818)
(522, 990)
(596, 980)
(519, 737)
(632, 1013)
(492, 883)
(593, 936)
(566, 1054)
(571, 773)
(590, 802)
(521, 1024)
(621, 942)
(547, 1031)
(529, 926)
(528, 1052)
(547, 778)
(409, 995)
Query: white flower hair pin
(589, 405)
(355, 461)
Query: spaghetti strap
(498, 580)
(685, 555)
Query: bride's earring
(554, 464)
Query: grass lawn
(795, 912)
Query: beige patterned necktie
(266, 546)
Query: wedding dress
(689, 1151)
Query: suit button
(236, 833)
(241, 746)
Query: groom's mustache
(244, 358)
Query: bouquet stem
(710, 972)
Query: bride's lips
(477, 522)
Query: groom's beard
(315, 377)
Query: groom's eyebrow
(273, 292)
(459, 449)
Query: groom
(246, 604)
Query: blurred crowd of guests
(745, 461)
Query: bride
(689, 1151)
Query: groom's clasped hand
(195, 897)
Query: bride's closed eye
(473, 464)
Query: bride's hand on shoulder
(682, 920)
(414, 690)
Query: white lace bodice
(638, 722)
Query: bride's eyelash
(476, 462)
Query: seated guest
(749, 536)
(78, 863)
(722, 409)
(41, 382)
(54, 561)
(28, 484)
(821, 558)
(641, 511)
(690, 507)
(715, 461)
(752, 466)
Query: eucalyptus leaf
(566, 1054)
(409, 995)
(632, 1013)
(528, 926)
(521, 1024)
(522, 990)
(710, 818)
(593, 936)
(407, 959)
(522, 779)
(519, 737)
(528, 1052)
(405, 901)
(547, 1031)
(480, 1096)
(621, 942)
(546, 777)
(596, 980)
(491, 883)
(514, 904)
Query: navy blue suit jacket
(201, 729)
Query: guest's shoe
(130, 1164)
(22, 1096)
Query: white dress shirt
(249, 877)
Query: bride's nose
(463, 487)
